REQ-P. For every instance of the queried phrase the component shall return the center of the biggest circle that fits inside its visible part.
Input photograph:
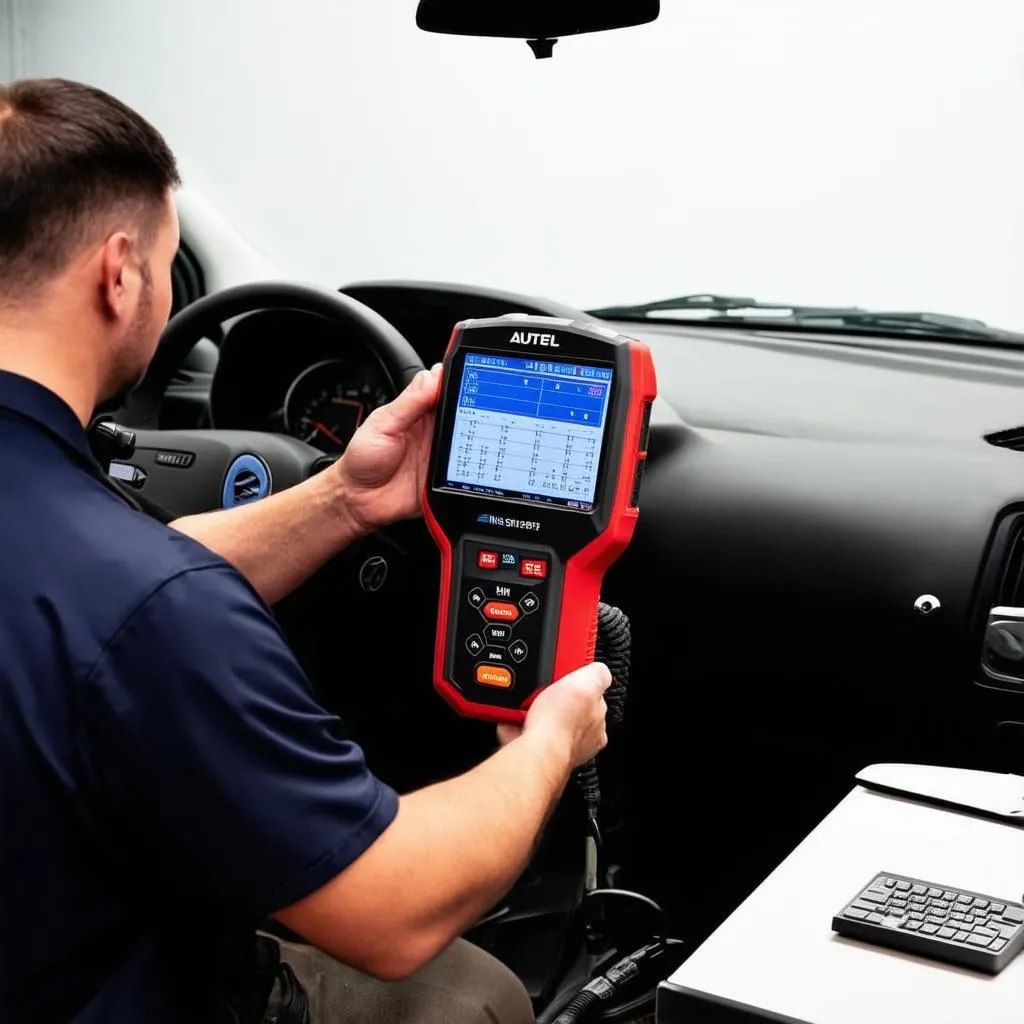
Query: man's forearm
(279, 542)
(483, 828)
(451, 853)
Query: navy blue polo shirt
(167, 776)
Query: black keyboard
(968, 929)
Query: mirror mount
(542, 48)
(540, 22)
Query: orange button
(501, 610)
(493, 675)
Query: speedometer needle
(326, 432)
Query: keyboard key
(947, 933)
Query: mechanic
(170, 784)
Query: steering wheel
(190, 471)
(376, 578)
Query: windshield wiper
(720, 309)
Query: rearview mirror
(540, 22)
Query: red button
(487, 560)
(535, 568)
(501, 610)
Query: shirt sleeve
(209, 749)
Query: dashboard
(802, 494)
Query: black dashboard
(804, 493)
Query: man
(168, 782)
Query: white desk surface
(777, 951)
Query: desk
(777, 959)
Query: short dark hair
(71, 158)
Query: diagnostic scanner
(539, 448)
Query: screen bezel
(449, 408)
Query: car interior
(831, 534)
(783, 551)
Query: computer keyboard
(941, 922)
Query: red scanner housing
(538, 454)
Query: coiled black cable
(614, 649)
(578, 1008)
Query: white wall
(847, 151)
(8, 40)
(6, 23)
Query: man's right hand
(570, 712)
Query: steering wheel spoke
(193, 471)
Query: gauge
(326, 402)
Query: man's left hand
(384, 468)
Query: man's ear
(116, 289)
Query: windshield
(827, 153)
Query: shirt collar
(34, 402)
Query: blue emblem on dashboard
(247, 479)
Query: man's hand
(384, 468)
(570, 713)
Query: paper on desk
(1000, 794)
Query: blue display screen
(530, 429)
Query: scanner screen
(530, 429)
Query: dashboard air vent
(1011, 589)
(1013, 439)
(1002, 657)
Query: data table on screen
(529, 427)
